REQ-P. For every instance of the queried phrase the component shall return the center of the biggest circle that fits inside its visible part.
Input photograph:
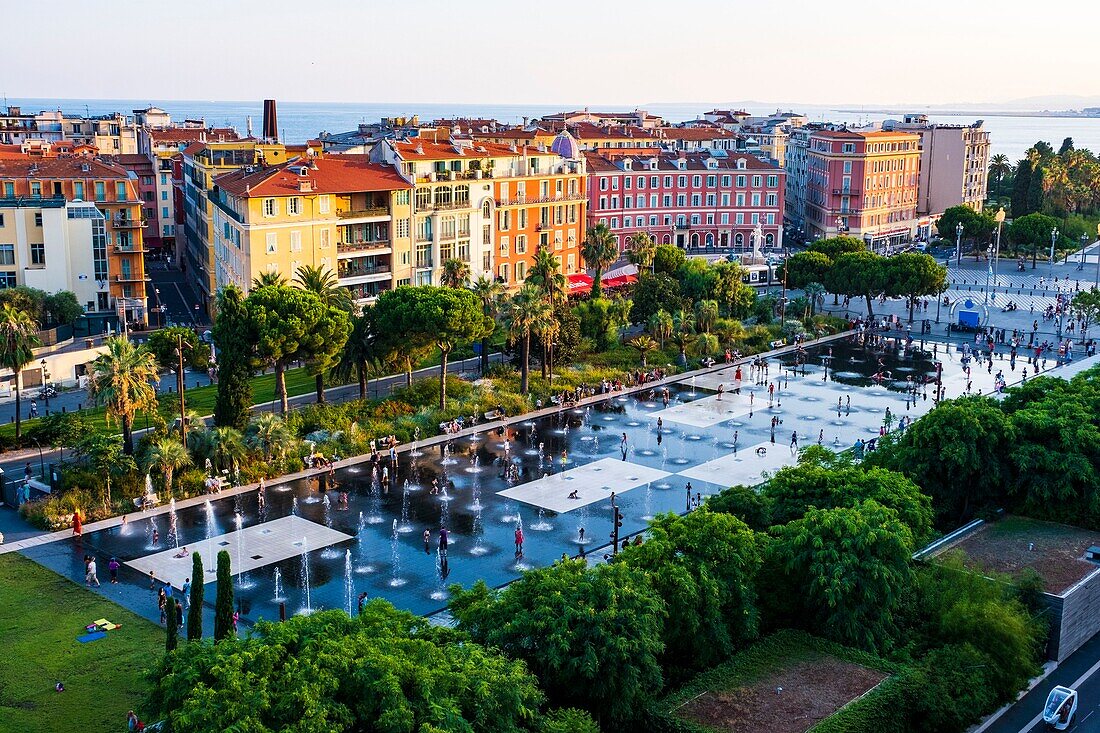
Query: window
(641, 181)
(740, 218)
(294, 206)
(7, 254)
(36, 189)
(38, 254)
(741, 181)
(272, 243)
(756, 181)
(402, 228)
(323, 204)
(271, 207)
(423, 197)
(164, 212)
(323, 238)
(521, 244)
(120, 190)
(163, 195)
(78, 190)
(696, 181)
(614, 187)
(502, 272)
(773, 181)
(9, 189)
(295, 241)
(603, 184)
(848, 148)
(38, 218)
(504, 247)
(626, 183)
(521, 271)
(402, 198)
(100, 191)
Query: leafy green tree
(292, 324)
(194, 607)
(704, 565)
(18, 337)
(644, 345)
(592, 636)
(949, 690)
(545, 272)
(235, 340)
(122, 380)
(106, 455)
(844, 571)
(489, 292)
(1087, 303)
(834, 247)
(999, 169)
(912, 275)
(392, 342)
(323, 283)
(600, 249)
(166, 455)
(268, 279)
(729, 289)
(163, 345)
(746, 503)
(358, 355)
(806, 267)
(171, 627)
(269, 434)
(815, 291)
(522, 315)
(956, 454)
(653, 293)
(1020, 186)
(640, 251)
(668, 258)
(223, 601)
(62, 308)
(1066, 147)
(1033, 231)
(661, 325)
(601, 319)
(706, 314)
(29, 300)
(384, 670)
(976, 226)
(568, 720)
(456, 273)
(858, 275)
(696, 279)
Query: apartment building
(72, 222)
(863, 183)
(795, 166)
(341, 213)
(693, 200)
(114, 134)
(491, 205)
(638, 118)
(954, 165)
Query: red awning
(618, 282)
(579, 283)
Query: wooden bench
(494, 415)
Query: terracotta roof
(332, 174)
(193, 148)
(35, 167)
(588, 131)
(668, 162)
(696, 133)
(192, 134)
(429, 150)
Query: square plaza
(592, 482)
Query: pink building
(698, 200)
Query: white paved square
(706, 412)
(744, 467)
(261, 545)
(593, 482)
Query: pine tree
(234, 342)
(223, 603)
(1035, 192)
(194, 611)
(172, 625)
(1019, 189)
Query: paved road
(173, 290)
(1080, 671)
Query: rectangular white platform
(706, 412)
(744, 467)
(592, 482)
(263, 544)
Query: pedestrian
(519, 541)
(179, 613)
(112, 568)
(688, 488)
(236, 617)
(261, 493)
(27, 473)
(90, 576)
(156, 537)
(152, 580)
(794, 440)
(362, 601)
(443, 541)
(820, 436)
(162, 603)
(186, 591)
(624, 446)
(77, 526)
(34, 409)
(427, 541)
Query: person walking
(112, 568)
(427, 541)
(624, 446)
(162, 604)
(688, 488)
(443, 541)
(794, 440)
(90, 576)
(78, 528)
(186, 591)
(519, 541)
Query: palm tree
(661, 325)
(18, 337)
(814, 290)
(269, 435)
(324, 284)
(643, 345)
(226, 447)
(640, 250)
(456, 273)
(489, 291)
(599, 251)
(167, 456)
(122, 379)
(358, 355)
(999, 168)
(523, 313)
(547, 329)
(265, 279)
(683, 333)
(546, 273)
(706, 314)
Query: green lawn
(41, 614)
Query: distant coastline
(1067, 114)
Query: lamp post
(1053, 239)
(988, 272)
(1084, 243)
(46, 385)
(1097, 283)
(958, 243)
(999, 217)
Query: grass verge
(41, 614)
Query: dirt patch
(812, 691)
(1055, 551)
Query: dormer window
(741, 164)
(682, 164)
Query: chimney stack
(271, 122)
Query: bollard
(282, 610)
(63, 409)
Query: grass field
(41, 614)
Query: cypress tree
(194, 610)
(232, 336)
(223, 603)
(1019, 189)
(172, 625)
(1035, 192)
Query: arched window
(769, 239)
(667, 239)
(486, 211)
(739, 239)
(710, 239)
(694, 240)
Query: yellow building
(340, 213)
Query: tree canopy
(860, 274)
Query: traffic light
(618, 522)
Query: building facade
(863, 183)
(795, 166)
(73, 223)
(340, 213)
(701, 200)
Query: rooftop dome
(566, 146)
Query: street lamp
(46, 384)
(1097, 284)
(988, 272)
(1053, 239)
(999, 217)
(958, 243)
(1084, 243)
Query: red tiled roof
(697, 133)
(21, 166)
(192, 134)
(430, 150)
(668, 162)
(588, 131)
(332, 174)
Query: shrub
(746, 503)
(568, 720)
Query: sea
(301, 121)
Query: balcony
(522, 200)
(128, 277)
(683, 226)
(347, 273)
(126, 222)
(451, 205)
(362, 246)
(128, 248)
(363, 213)
(846, 192)
(423, 263)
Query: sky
(577, 51)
